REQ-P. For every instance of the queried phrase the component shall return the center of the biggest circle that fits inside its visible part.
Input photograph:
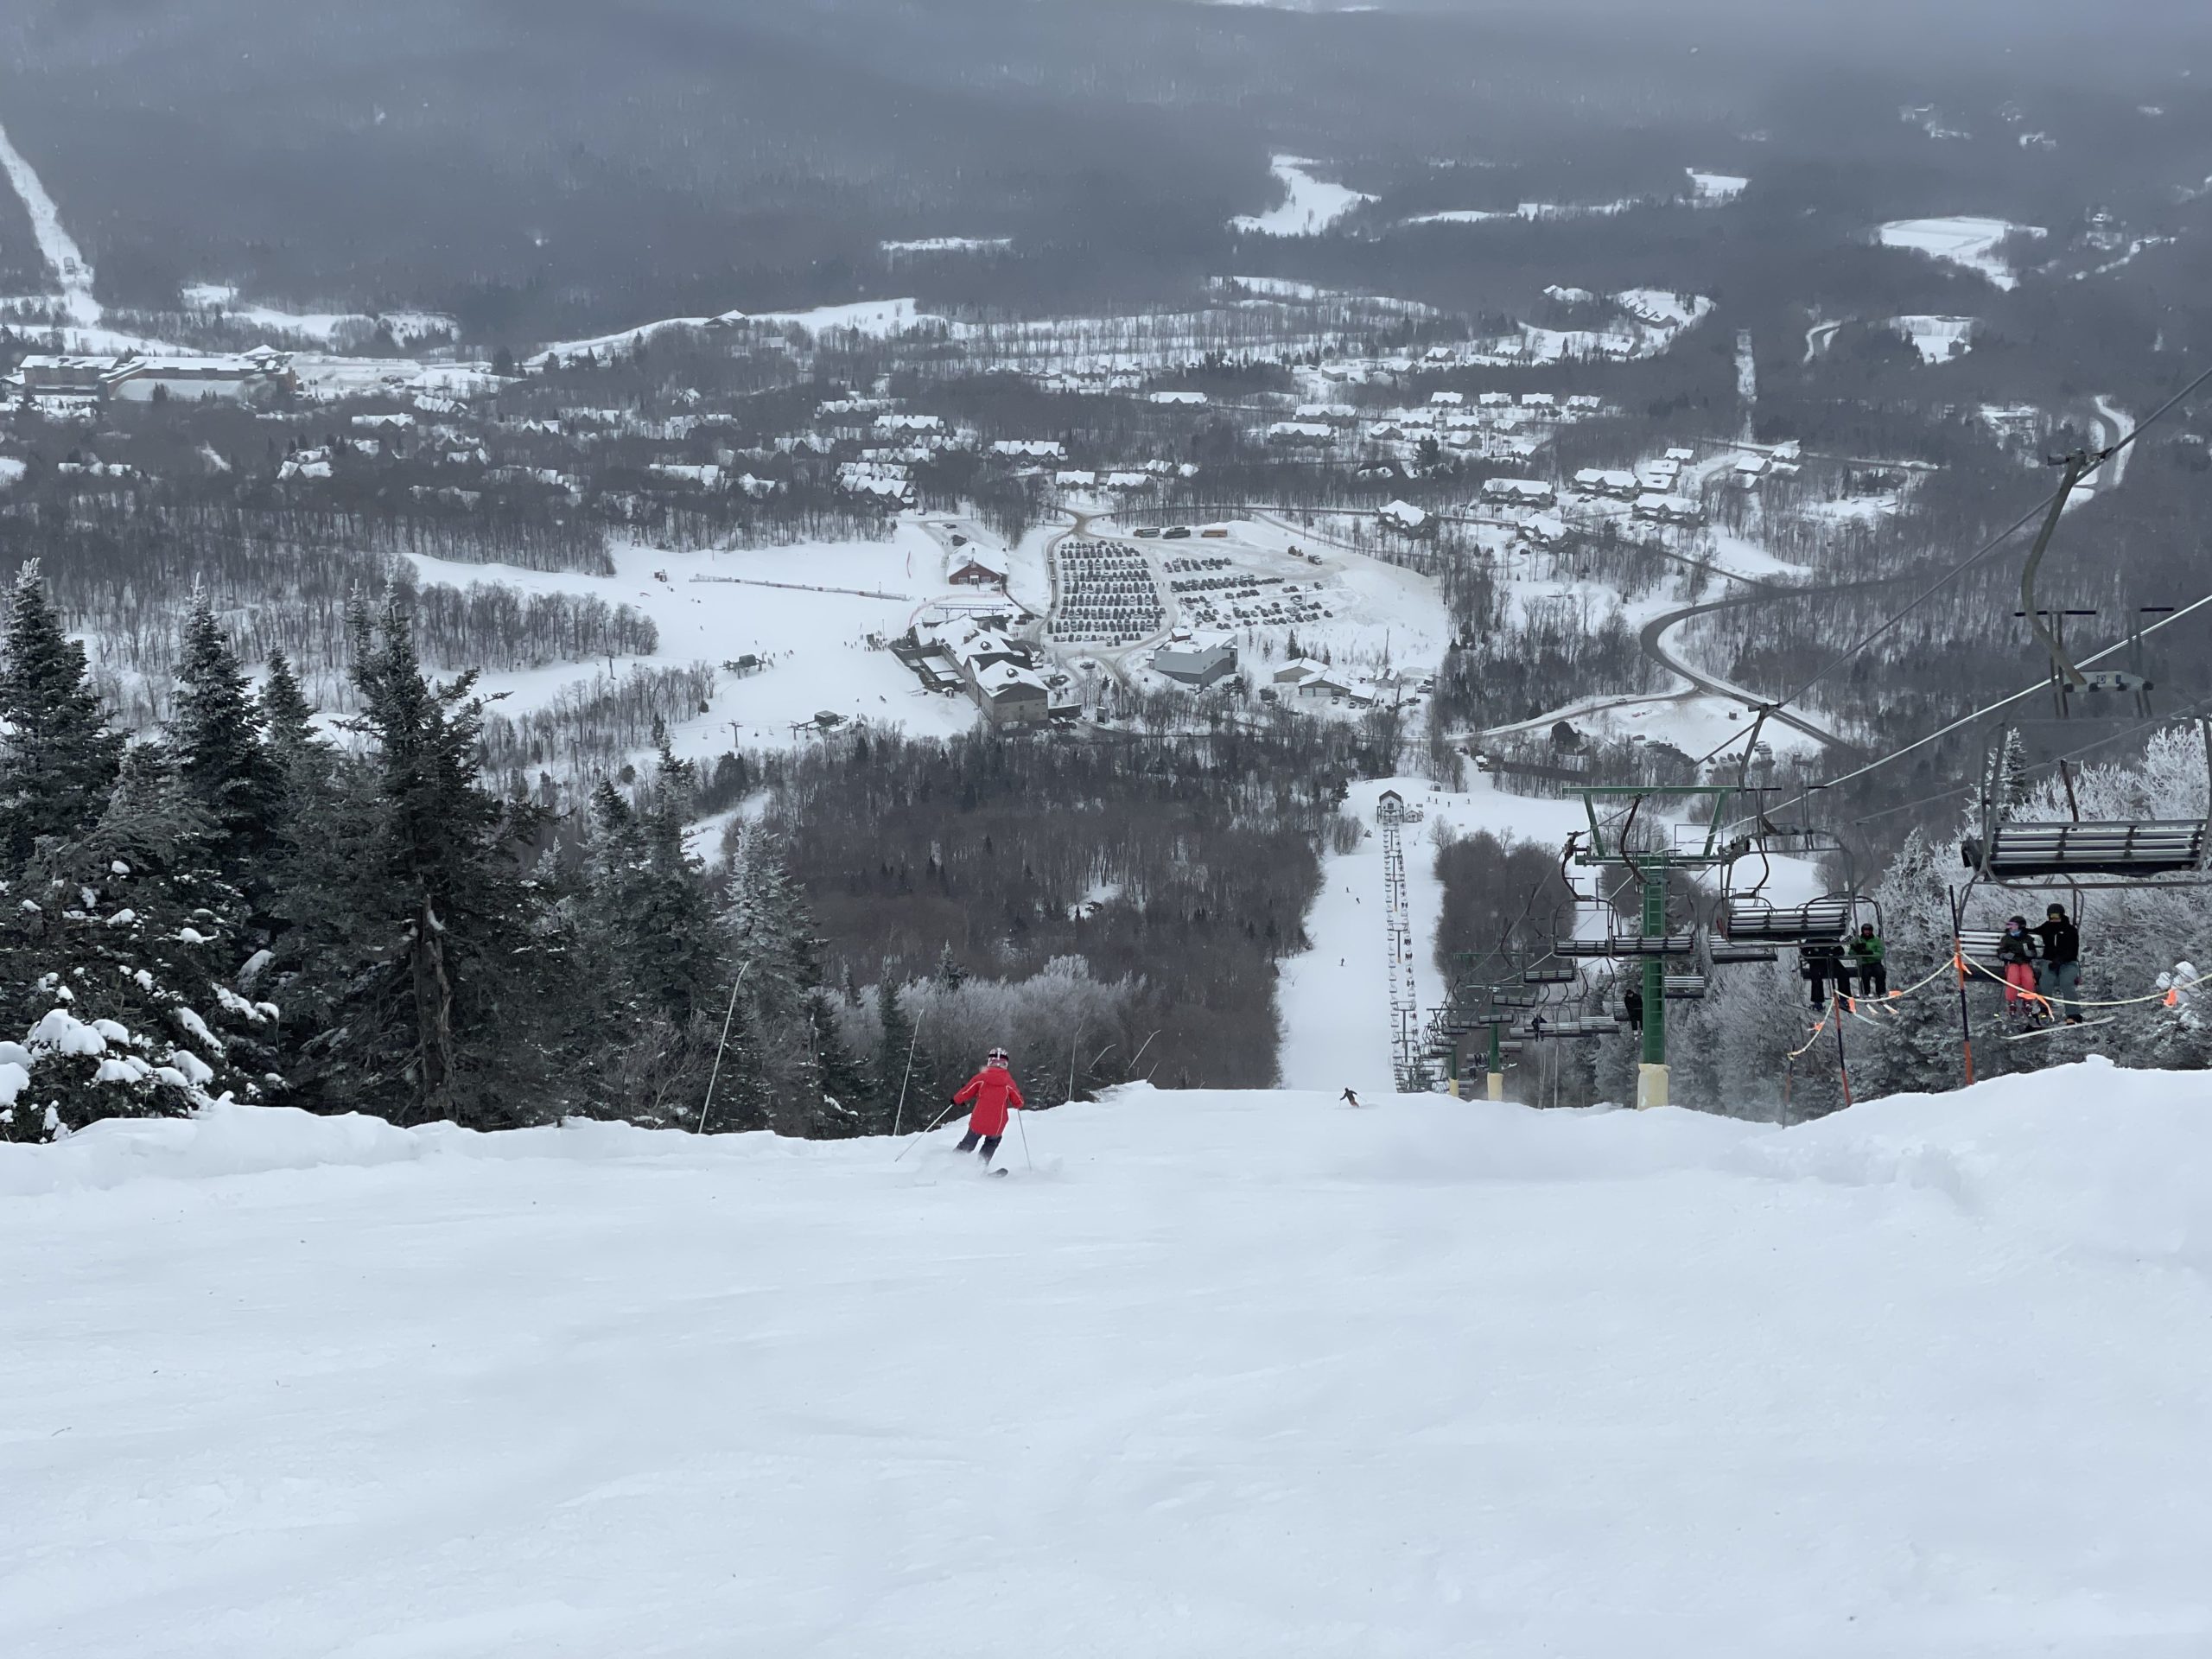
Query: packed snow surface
(1227, 1373)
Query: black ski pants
(990, 1146)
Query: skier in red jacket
(991, 1091)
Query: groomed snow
(1231, 1374)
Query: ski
(2045, 1031)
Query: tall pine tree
(426, 947)
(215, 733)
(58, 758)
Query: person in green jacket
(1866, 953)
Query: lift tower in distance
(1651, 853)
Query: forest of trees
(236, 904)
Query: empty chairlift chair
(1747, 919)
(1723, 952)
(2013, 853)
(1676, 942)
(2077, 853)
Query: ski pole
(934, 1121)
(1019, 1115)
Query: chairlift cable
(2100, 457)
(2184, 713)
(2041, 685)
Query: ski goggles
(999, 1054)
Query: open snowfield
(1229, 1374)
(1969, 243)
(711, 609)
(1309, 205)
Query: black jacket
(2061, 942)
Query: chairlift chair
(2085, 854)
(1675, 942)
(1746, 918)
(1723, 953)
(1550, 973)
(1685, 987)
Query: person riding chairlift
(2016, 950)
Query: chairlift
(1723, 953)
(2085, 854)
(1685, 987)
(1745, 919)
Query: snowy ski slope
(1229, 1374)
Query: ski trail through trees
(71, 272)
(1405, 996)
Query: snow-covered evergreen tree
(419, 939)
(215, 733)
(58, 757)
(119, 956)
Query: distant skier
(1350, 1098)
(992, 1092)
(2058, 975)
(2016, 949)
(1867, 952)
(1632, 1005)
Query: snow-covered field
(1309, 205)
(1938, 340)
(1717, 189)
(1966, 242)
(406, 327)
(712, 609)
(1249, 1373)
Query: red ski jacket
(992, 1090)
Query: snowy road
(1233, 1375)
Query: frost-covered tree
(121, 957)
(1915, 1046)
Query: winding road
(1653, 639)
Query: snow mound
(226, 1139)
(2084, 1156)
